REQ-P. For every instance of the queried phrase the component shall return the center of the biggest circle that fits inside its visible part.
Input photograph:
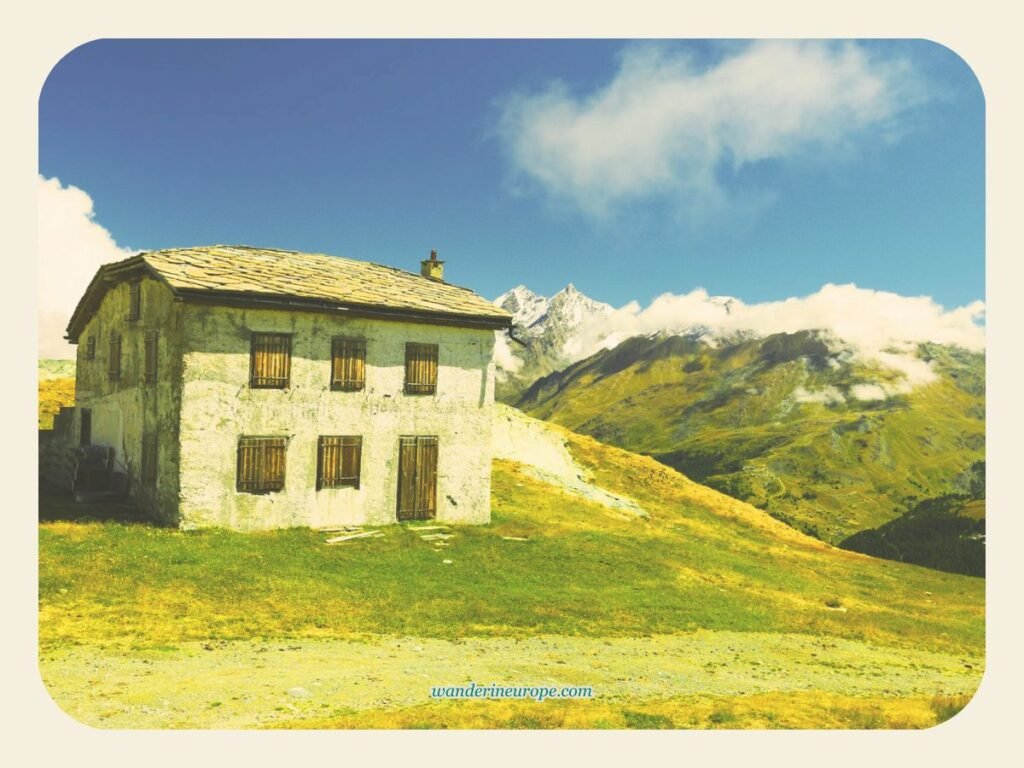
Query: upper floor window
(270, 360)
(151, 358)
(89, 353)
(420, 369)
(114, 363)
(134, 301)
(348, 364)
(261, 464)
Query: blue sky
(761, 171)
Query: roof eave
(106, 275)
(298, 303)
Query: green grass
(702, 560)
(53, 394)
(947, 707)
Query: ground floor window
(338, 461)
(149, 459)
(261, 464)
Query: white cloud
(664, 126)
(506, 361)
(827, 396)
(72, 246)
(869, 392)
(877, 327)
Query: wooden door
(417, 477)
(85, 428)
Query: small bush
(834, 602)
(722, 716)
(525, 722)
(946, 707)
(646, 721)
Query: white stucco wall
(123, 410)
(218, 406)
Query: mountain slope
(777, 422)
(947, 532)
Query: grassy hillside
(56, 389)
(733, 418)
(56, 369)
(701, 561)
(700, 612)
(54, 393)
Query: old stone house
(255, 388)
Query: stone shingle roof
(238, 272)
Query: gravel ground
(245, 684)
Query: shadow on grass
(59, 505)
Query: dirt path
(248, 684)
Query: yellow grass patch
(811, 710)
(54, 393)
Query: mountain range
(800, 424)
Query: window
(337, 462)
(420, 369)
(151, 358)
(261, 462)
(85, 427)
(114, 363)
(270, 361)
(89, 353)
(134, 301)
(348, 364)
(149, 459)
(417, 477)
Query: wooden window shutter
(151, 357)
(134, 301)
(149, 458)
(420, 369)
(114, 363)
(270, 360)
(261, 464)
(417, 477)
(90, 348)
(348, 364)
(338, 462)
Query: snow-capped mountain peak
(568, 308)
(558, 316)
(525, 305)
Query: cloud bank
(504, 358)
(665, 127)
(879, 327)
(72, 246)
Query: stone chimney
(432, 268)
